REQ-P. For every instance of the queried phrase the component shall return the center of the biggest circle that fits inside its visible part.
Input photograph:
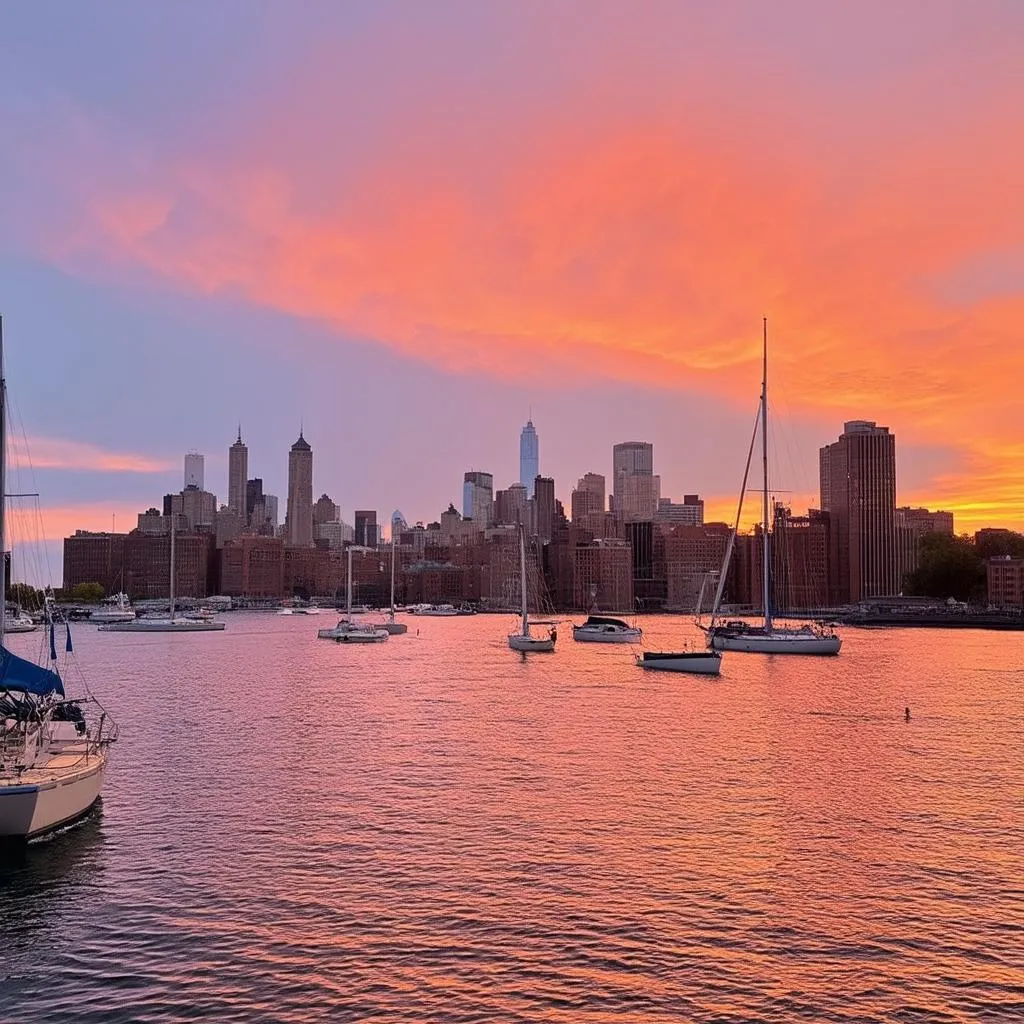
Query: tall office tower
(858, 491)
(637, 490)
(529, 457)
(194, 470)
(238, 474)
(299, 517)
(544, 504)
(366, 528)
(478, 498)
(588, 498)
(253, 494)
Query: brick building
(1006, 582)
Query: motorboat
(348, 631)
(118, 609)
(602, 629)
(52, 758)
(705, 663)
(523, 641)
(197, 622)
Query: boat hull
(704, 663)
(535, 644)
(393, 628)
(776, 643)
(583, 635)
(52, 800)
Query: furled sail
(26, 676)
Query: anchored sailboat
(523, 641)
(348, 631)
(768, 637)
(393, 628)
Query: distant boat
(18, 622)
(442, 610)
(523, 641)
(602, 629)
(52, 761)
(348, 631)
(699, 662)
(196, 623)
(120, 610)
(765, 637)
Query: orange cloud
(595, 242)
(61, 453)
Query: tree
(87, 593)
(947, 567)
(25, 596)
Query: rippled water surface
(439, 829)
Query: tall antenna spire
(239, 432)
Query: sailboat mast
(766, 568)
(348, 585)
(392, 571)
(522, 575)
(172, 562)
(3, 487)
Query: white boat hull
(518, 642)
(162, 626)
(581, 634)
(777, 643)
(358, 635)
(19, 627)
(43, 800)
(105, 619)
(704, 663)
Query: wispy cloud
(62, 453)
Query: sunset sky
(408, 225)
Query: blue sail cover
(26, 676)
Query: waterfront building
(299, 517)
(858, 491)
(693, 558)
(529, 457)
(478, 498)
(1006, 582)
(94, 558)
(602, 576)
(799, 553)
(366, 528)
(690, 512)
(253, 567)
(238, 475)
(194, 470)
(912, 524)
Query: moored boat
(523, 641)
(603, 629)
(706, 663)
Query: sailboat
(52, 760)
(704, 663)
(522, 641)
(173, 623)
(348, 631)
(766, 637)
(119, 610)
(393, 628)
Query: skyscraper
(478, 498)
(858, 491)
(366, 528)
(299, 517)
(529, 457)
(637, 490)
(194, 470)
(544, 502)
(238, 474)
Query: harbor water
(438, 829)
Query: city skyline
(598, 252)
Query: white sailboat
(16, 621)
(394, 628)
(767, 637)
(348, 631)
(52, 760)
(603, 629)
(522, 641)
(705, 663)
(173, 623)
(120, 610)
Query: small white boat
(348, 631)
(118, 610)
(523, 641)
(18, 622)
(434, 609)
(285, 611)
(705, 663)
(602, 629)
(200, 621)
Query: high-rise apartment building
(299, 517)
(858, 491)
(510, 506)
(478, 498)
(544, 505)
(194, 470)
(637, 491)
(238, 474)
(366, 528)
(529, 457)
